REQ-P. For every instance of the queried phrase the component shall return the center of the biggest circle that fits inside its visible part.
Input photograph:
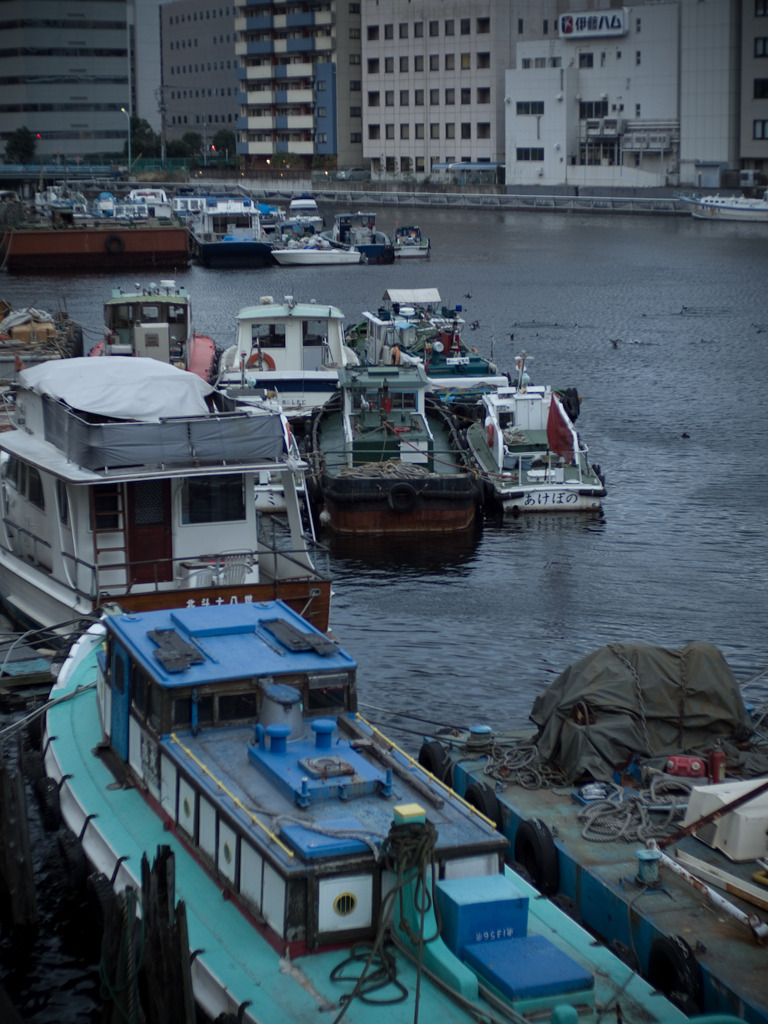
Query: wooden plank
(729, 883)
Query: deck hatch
(297, 640)
(174, 653)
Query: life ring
(535, 849)
(402, 497)
(264, 357)
(435, 758)
(480, 796)
(114, 244)
(674, 970)
(490, 436)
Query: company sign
(599, 23)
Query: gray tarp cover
(637, 699)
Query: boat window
(182, 712)
(235, 707)
(35, 486)
(213, 499)
(154, 707)
(328, 698)
(268, 335)
(314, 332)
(12, 472)
(63, 502)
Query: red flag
(559, 436)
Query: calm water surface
(661, 323)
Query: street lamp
(124, 111)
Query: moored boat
(359, 230)
(131, 481)
(156, 322)
(227, 232)
(640, 803)
(314, 251)
(384, 458)
(717, 207)
(410, 243)
(527, 452)
(352, 880)
(289, 350)
(30, 336)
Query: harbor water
(661, 323)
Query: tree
(224, 144)
(178, 149)
(20, 147)
(144, 141)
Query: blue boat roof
(205, 645)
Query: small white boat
(305, 208)
(314, 251)
(287, 350)
(410, 243)
(527, 452)
(728, 207)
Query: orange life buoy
(395, 357)
(490, 435)
(265, 357)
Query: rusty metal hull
(76, 249)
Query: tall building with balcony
(300, 80)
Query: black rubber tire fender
(50, 804)
(535, 849)
(102, 896)
(114, 244)
(74, 859)
(674, 970)
(401, 497)
(435, 758)
(482, 797)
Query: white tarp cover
(413, 296)
(624, 700)
(120, 387)
(24, 316)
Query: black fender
(535, 850)
(674, 970)
(114, 244)
(435, 758)
(50, 804)
(401, 497)
(482, 797)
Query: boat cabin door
(153, 341)
(149, 534)
(120, 672)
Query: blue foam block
(485, 908)
(527, 968)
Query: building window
(466, 96)
(637, 57)
(354, 85)
(403, 29)
(465, 26)
(355, 111)
(418, 62)
(434, 28)
(373, 33)
(404, 98)
(390, 165)
(519, 26)
(555, 62)
(589, 109)
(761, 89)
(450, 61)
(525, 63)
(404, 131)
(450, 97)
(418, 30)
(434, 97)
(637, 109)
(483, 60)
(761, 47)
(373, 65)
(760, 129)
(354, 33)
(586, 60)
(434, 62)
(389, 31)
(530, 107)
(419, 130)
(450, 130)
(420, 165)
(466, 61)
(761, 8)
(374, 131)
(540, 62)
(390, 131)
(449, 27)
(389, 98)
(418, 97)
(389, 65)
(483, 95)
(483, 129)
(403, 65)
(526, 154)
(355, 138)
(354, 58)
(466, 130)
(434, 131)
(373, 99)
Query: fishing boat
(314, 251)
(323, 874)
(156, 322)
(385, 458)
(719, 207)
(527, 453)
(410, 243)
(289, 350)
(359, 230)
(305, 208)
(29, 336)
(413, 325)
(131, 481)
(641, 803)
(227, 232)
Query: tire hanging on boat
(435, 758)
(674, 970)
(114, 244)
(535, 849)
(480, 796)
(402, 497)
